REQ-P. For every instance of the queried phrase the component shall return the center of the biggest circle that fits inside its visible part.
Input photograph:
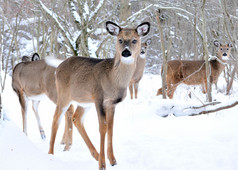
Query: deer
(33, 80)
(34, 57)
(194, 72)
(140, 66)
(101, 82)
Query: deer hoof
(114, 163)
(95, 155)
(103, 167)
(67, 147)
(42, 134)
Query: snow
(93, 13)
(142, 138)
(132, 17)
(55, 18)
(75, 14)
(184, 16)
(86, 11)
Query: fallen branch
(178, 109)
(208, 104)
(215, 109)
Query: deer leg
(78, 118)
(136, 85)
(205, 86)
(65, 136)
(171, 90)
(24, 104)
(59, 111)
(203, 89)
(35, 105)
(102, 130)
(159, 92)
(131, 89)
(68, 131)
(110, 118)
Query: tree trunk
(84, 42)
(164, 66)
(208, 68)
(194, 35)
(124, 10)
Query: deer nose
(126, 53)
(142, 52)
(224, 54)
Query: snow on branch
(181, 15)
(97, 9)
(193, 109)
(74, 12)
(213, 107)
(174, 8)
(86, 11)
(132, 17)
(54, 17)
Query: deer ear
(229, 45)
(112, 28)
(25, 58)
(35, 57)
(216, 43)
(143, 29)
(148, 42)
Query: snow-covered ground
(142, 138)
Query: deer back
(191, 72)
(34, 78)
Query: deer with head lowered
(140, 65)
(34, 57)
(194, 72)
(102, 82)
(33, 79)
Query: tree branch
(55, 19)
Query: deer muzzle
(126, 53)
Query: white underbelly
(38, 97)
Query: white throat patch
(225, 58)
(142, 56)
(127, 60)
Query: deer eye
(120, 41)
(227, 49)
(134, 41)
(220, 48)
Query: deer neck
(122, 72)
(217, 65)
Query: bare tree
(164, 66)
(206, 55)
(84, 14)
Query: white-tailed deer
(34, 57)
(103, 82)
(33, 80)
(140, 66)
(194, 72)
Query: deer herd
(102, 83)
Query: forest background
(73, 27)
